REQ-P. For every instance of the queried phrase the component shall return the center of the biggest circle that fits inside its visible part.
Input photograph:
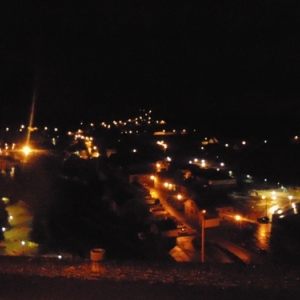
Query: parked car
(182, 231)
(262, 251)
(263, 220)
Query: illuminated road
(218, 247)
(16, 240)
(185, 251)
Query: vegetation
(77, 212)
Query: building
(194, 214)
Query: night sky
(196, 59)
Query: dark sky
(178, 57)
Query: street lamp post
(264, 197)
(202, 235)
(23, 244)
(238, 218)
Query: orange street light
(26, 150)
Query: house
(225, 212)
(194, 214)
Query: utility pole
(202, 235)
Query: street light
(23, 244)
(26, 150)
(238, 218)
(203, 212)
(290, 198)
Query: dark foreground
(34, 287)
(23, 278)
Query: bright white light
(222, 164)
(3, 229)
(195, 160)
(59, 257)
(237, 217)
(23, 243)
(244, 142)
(273, 209)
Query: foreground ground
(33, 287)
(40, 278)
